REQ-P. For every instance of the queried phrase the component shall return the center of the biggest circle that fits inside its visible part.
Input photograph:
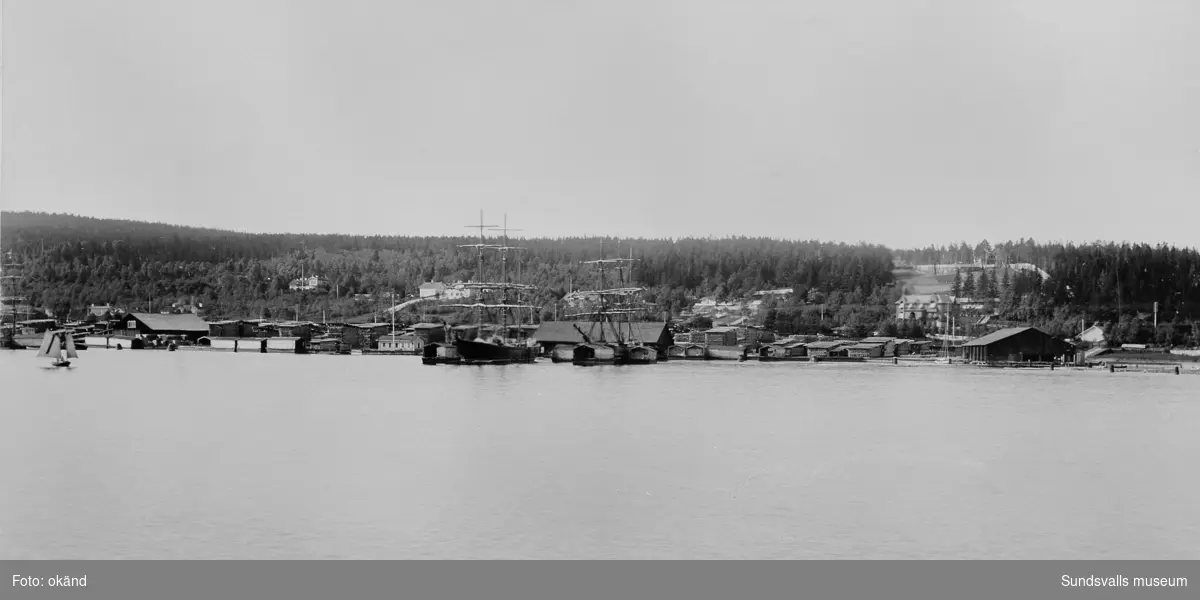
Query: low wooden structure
(826, 349)
(721, 336)
(187, 326)
(792, 351)
(888, 344)
(687, 352)
(285, 345)
(865, 350)
(1016, 344)
(408, 343)
(323, 345)
(735, 352)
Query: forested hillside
(1116, 284)
(71, 261)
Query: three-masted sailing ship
(505, 342)
(612, 336)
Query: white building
(306, 283)
(437, 289)
(1093, 335)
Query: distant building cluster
(931, 311)
(735, 313)
(438, 290)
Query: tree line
(72, 261)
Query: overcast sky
(903, 122)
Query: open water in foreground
(142, 454)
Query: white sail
(71, 347)
(51, 346)
(47, 342)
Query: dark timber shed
(1016, 344)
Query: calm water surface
(212, 455)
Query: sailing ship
(612, 337)
(58, 345)
(491, 344)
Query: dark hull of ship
(483, 353)
(468, 352)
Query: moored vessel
(493, 344)
(610, 339)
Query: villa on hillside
(306, 283)
(1093, 335)
(437, 289)
(778, 292)
(925, 309)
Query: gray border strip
(610, 580)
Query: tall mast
(504, 273)
(602, 303)
(479, 274)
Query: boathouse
(233, 344)
(865, 350)
(401, 343)
(888, 344)
(286, 345)
(363, 335)
(322, 345)
(297, 329)
(827, 348)
(721, 336)
(1016, 344)
(231, 329)
(187, 326)
(783, 351)
(429, 332)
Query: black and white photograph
(581, 280)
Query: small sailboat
(59, 346)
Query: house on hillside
(927, 310)
(101, 310)
(432, 289)
(778, 292)
(1093, 335)
(441, 291)
(306, 283)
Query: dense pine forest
(69, 262)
